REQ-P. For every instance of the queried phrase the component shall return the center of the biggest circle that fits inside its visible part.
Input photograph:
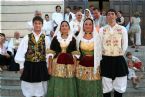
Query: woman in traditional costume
(88, 74)
(62, 63)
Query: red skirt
(65, 58)
(87, 61)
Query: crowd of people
(72, 55)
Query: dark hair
(2, 34)
(68, 7)
(111, 10)
(58, 6)
(88, 19)
(91, 5)
(46, 15)
(120, 12)
(65, 22)
(96, 9)
(128, 54)
(80, 7)
(136, 14)
(37, 18)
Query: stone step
(10, 81)
(11, 91)
(141, 84)
(131, 92)
(9, 74)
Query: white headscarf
(90, 15)
(97, 46)
(58, 33)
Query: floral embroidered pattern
(112, 41)
(86, 73)
(36, 50)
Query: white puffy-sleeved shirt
(68, 15)
(48, 26)
(74, 25)
(13, 44)
(22, 49)
(57, 18)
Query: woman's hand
(50, 65)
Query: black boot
(107, 94)
(117, 94)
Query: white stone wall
(15, 14)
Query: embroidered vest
(87, 48)
(112, 41)
(36, 51)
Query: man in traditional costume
(113, 65)
(31, 55)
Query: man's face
(37, 26)
(67, 10)
(79, 16)
(111, 17)
(47, 18)
(96, 13)
(17, 35)
(38, 13)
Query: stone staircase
(10, 83)
(140, 92)
(10, 86)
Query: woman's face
(88, 26)
(2, 39)
(86, 13)
(64, 28)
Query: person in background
(69, 16)
(4, 56)
(99, 20)
(103, 13)
(137, 64)
(57, 17)
(87, 14)
(120, 19)
(91, 7)
(48, 26)
(32, 57)
(132, 75)
(135, 31)
(12, 48)
(76, 24)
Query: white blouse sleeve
(98, 48)
(22, 49)
(124, 40)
